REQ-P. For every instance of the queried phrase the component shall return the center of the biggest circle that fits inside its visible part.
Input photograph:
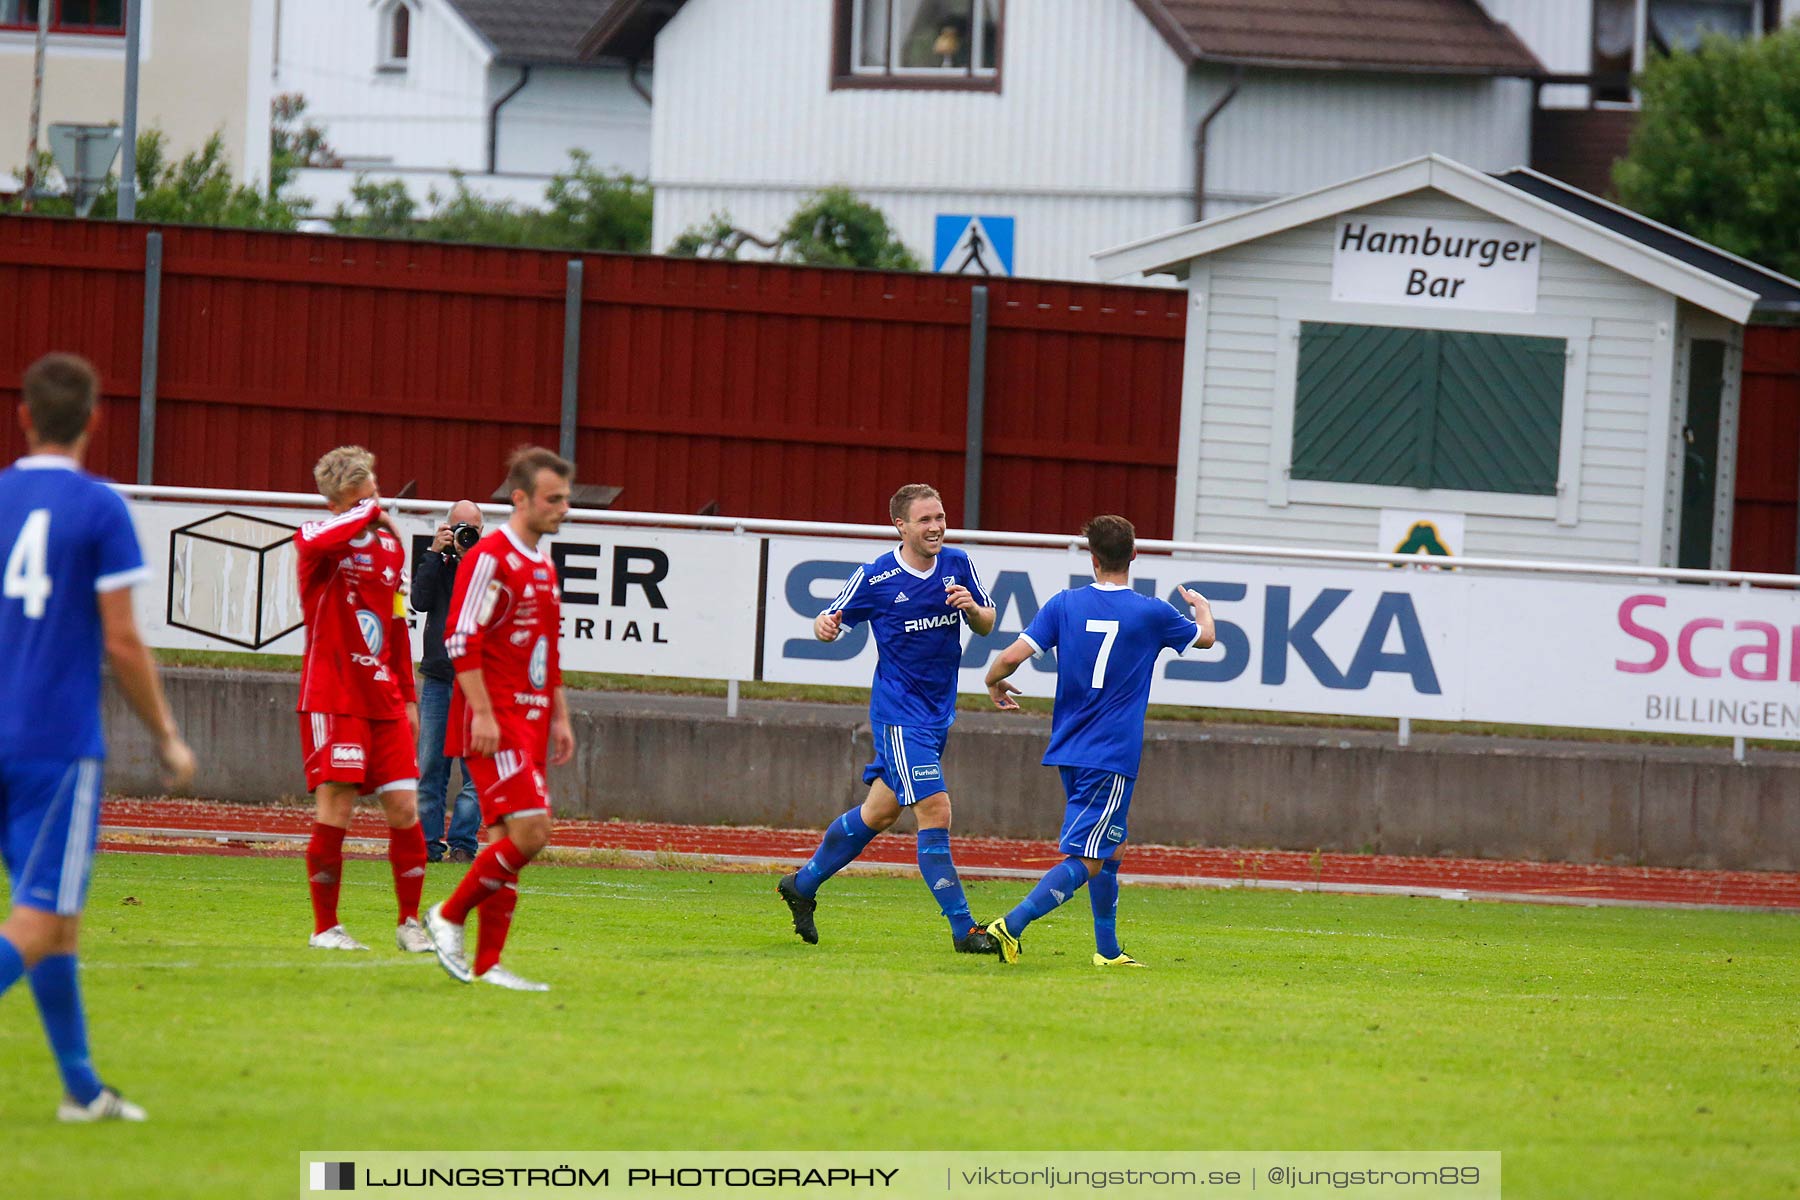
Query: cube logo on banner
(333, 1177)
(973, 245)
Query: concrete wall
(680, 759)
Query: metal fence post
(978, 331)
(153, 264)
(571, 378)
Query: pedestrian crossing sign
(969, 244)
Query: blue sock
(940, 876)
(1103, 894)
(1058, 884)
(58, 992)
(12, 965)
(844, 840)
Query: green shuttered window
(1428, 408)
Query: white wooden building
(492, 89)
(1080, 122)
(1543, 371)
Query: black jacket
(433, 582)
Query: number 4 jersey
(66, 537)
(1107, 639)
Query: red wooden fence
(773, 391)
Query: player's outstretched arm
(135, 672)
(1001, 669)
(1203, 617)
(338, 531)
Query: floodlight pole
(134, 19)
(37, 100)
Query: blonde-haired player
(359, 716)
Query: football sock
(1103, 895)
(939, 873)
(495, 867)
(12, 965)
(493, 920)
(324, 873)
(1058, 884)
(406, 855)
(58, 992)
(844, 840)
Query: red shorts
(510, 784)
(376, 756)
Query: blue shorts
(1094, 820)
(909, 758)
(49, 822)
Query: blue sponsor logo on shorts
(1115, 833)
(930, 772)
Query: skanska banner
(639, 602)
(1372, 641)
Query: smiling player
(917, 596)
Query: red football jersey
(358, 653)
(504, 621)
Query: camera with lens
(463, 536)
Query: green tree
(294, 142)
(585, 209)
(194, 190)
(1716, 151)
(830, 229)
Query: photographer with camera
(434, 580)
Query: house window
(1626, 32)
(396, 36)
(67, 16)
(919, 43)
(1428, 408)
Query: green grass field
(1606, 1052)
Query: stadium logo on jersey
(370, 624)
(540, 662)
(929, 771)
(885, 575)
(924, 623)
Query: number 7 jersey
(66, 537)
(1107, 639)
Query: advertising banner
(634, 601)
(1373, 641)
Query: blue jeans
(434, 777)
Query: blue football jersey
(65, 537)
(1107, 639)
(918, 635)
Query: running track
(198, 827)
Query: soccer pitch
(1604, 1052)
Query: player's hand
(562, 742)
(177, 761)
(1196, 601)
(412, 718)
(1002, 694)
(441, 540)
(484, 735)
(827, 626)
(386, 521)
(958, 596)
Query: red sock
(494, 919)
(498, 864)
(406, 855)
(324, 871)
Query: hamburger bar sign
(1468, 265)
